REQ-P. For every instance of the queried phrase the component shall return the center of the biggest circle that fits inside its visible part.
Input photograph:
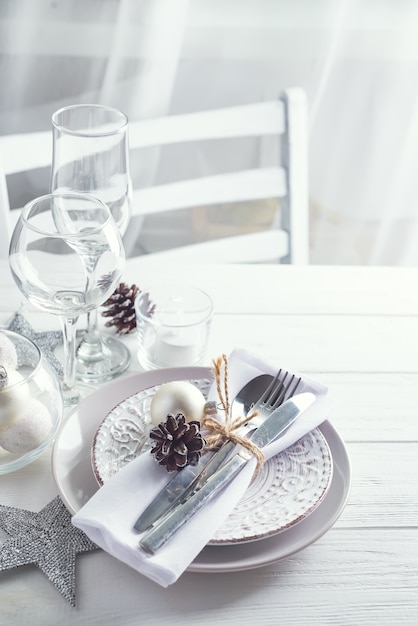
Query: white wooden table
(354, 329)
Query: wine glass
(91, 155)
(66, 256)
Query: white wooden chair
(285, 118)
(286, 240)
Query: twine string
(220, 432)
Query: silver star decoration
(46, 341)
(46, 539)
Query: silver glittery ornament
(46, 341)
(46, 539)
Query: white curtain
(356, 59)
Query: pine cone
(177, 443)
(121, 308)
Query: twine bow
(223, 431)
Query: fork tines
(280, 389)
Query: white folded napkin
(109, 516)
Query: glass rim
(40, 360)
(24, 216)
(208, 315)
(92, 133)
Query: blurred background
(357, 60)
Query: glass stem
(70, 393)
(92, 327)
(91, 348)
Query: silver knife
(188, 480)
(157, 536)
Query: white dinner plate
(288, 487)
(72, 470)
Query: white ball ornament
(177, 397)
(29, 430)
(8, 354)
(13, 394)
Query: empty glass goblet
(90, 155)
(66, 256)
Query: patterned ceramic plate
(124, 433)
(288, 488)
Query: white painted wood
(246, 185)
(261, 118)
(26, 151)
(5, 218)
(331, 290)
(359, 338)
(249, 248)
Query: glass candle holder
(173, 324)
(31, 404)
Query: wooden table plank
(384, 489)
(341, 579)
(282, 290)
(349, 343)
(296, 289)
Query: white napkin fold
(109, 516)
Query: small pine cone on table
(120, 307)
(177, 443)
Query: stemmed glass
(66, 256)
(91, 155)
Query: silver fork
(276, 393)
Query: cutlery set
(191, 488)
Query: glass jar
(31, 404)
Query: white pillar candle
(176, 333)
(176, 347)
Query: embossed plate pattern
(123, 434)
(289, 487)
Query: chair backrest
(284, 238)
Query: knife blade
(166, 528)
(187, 480)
